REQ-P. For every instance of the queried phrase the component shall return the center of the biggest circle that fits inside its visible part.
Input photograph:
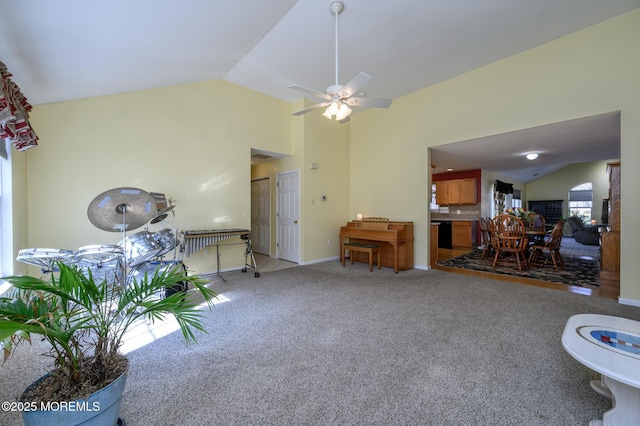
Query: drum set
(136, 255)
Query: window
(2, 214)
(6, 232)
(516, 200)
(581, 201)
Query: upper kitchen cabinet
(456, 192)
(442, 192)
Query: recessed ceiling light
(532, 156)
(449, 170)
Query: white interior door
(288, 215)
(260, 215)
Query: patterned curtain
(14, 114)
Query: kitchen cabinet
(468, 191)
(456, 192)
(462, 234)
(442, 196)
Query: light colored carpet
(327, 345)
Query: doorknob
(295, 221)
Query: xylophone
(193, 241)
(196, 240)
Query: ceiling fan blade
(314, 95)
(345, 120)
(311, 108)
(355, 84)
(368, 102)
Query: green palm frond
(76, 313)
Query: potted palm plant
(84, 320)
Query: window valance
(504, 188)
(14, 114)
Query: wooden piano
(395, 240)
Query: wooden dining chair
(485, 233)
(550, 245)
(536, 220)
(509, 239)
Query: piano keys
(395, 240)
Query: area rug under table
(578, 272)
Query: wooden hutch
(610, 239)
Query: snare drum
(44, 257)
(166, 240)
(104, 262)
(99, 254)
(140, 247)
(150, 268)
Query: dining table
(535, 233)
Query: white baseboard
(632, 302)
(326, 259)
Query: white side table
(610, 346)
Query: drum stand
(125, 269)
(249, 252)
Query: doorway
(260, 215)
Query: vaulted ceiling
(72, 49)
(558, 145)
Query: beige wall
(191, 142)
(325, 143)
(556, 186)
(590, 72)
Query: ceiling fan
(339, 98)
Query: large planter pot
(101, 408)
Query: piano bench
(365, 248)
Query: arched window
(581, 201)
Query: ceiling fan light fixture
(331, 110)
(343, 112)
(338, 109)
(532, 156)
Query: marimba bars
(194, 241)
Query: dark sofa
(583, 234)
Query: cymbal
(121, 209)
(161, 214)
